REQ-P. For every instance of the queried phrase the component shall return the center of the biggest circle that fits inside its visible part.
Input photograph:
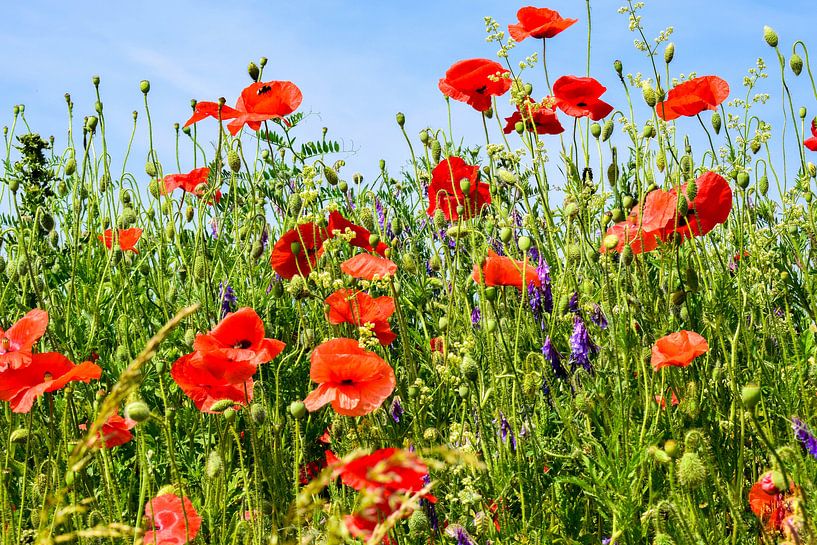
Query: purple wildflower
(476, 316)
(381, 214)
(573, 304)
(506, 432)
(428, 507)
(554, 358)
(597, 317)
(804, 435)
(533, 255)
(227, 297)
(581, 346)
(396, 409)
(460, 534)
(264, 237)
(213, 228)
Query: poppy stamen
(243, 344)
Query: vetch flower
(581, 346)
(355, 381)
(16, 342)
(579, 97)
(554, 358)
(804, 435)
(538, 23)
(396, 409)
(677, 349)
(47, 372)
(126, 238)
(227, 298)
(475, 81)
(597, 317)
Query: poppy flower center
(481, 90)
(347, 382)
(47, 376)
(582, 104)
(243, 344)
(264, 89)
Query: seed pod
(618, 66)
(297, 409)
(144, 86)
(743, 180)
(595, 130)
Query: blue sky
(357, 63)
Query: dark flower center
(264, 89)
(481, 90)
(347, 382)
(243, 344)
(582, 104)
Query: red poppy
(661, 400)
(446, 193)
(678, 349)
(338, 223)
(115, 431)
(540, 117)
(236, 345)
(127, 239)
(692, 97)
(174, 520)
(503, 271)
(47, 372)
(258, 102)
(475, 81)
(357, 308)
(390, 469)
(367, 267)
(538, 23)
(811, 143)
(579, 97)
(437, 344)
(363, 523)
(298, 250)
(355, 381)
(194, 182)
(17, 342)
(711, 207)
(206, 384)
(770, 504)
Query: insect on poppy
(18, 340)
(475, 81)
(258, 102)
(677, 349)
(538, 23)
(355, 381)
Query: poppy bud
(259, 413)
(750, 396)
(716, 122)
(649, 94)
(91, 122)
(374, 240)
(331, 175)
(627, 201)
(595, 130)
(435, 264)
(490, 325)
(672, 448)
(144, 86)
(463, 391)
(763, 185)
(649, 131)
(382, 164)
(610, 241)
(214, 464)
(659, 455)
(778, 480)
(401, 119)
(678, 297)
(439, 219)
(755, 146)
(571, 210)
(669, 52)
(277, 289)
(796, 64)
(233, 160)
(519, 127)
(691, 470)
(524, 243)
(222, 405)
(743, 180)
(295, 248)
(662, 539)
(443, 323)
(528, 89)
(812, 171)
(607, 130)
(19, 435)
(627, 255)
(253, 71)
(436, 150)
(770, 36)
(617, 215)
(150, 169)
(686, 164)
(297, 409)
(229, 414)
(188, 213)
(137, 411)
(69, 477)
(802, 112)
(418, 524)
(489, 113)
(612, 174)
(424, 137)
(574, 253)
(617, 66)
(465, 185)
(199, 268)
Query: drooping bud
(796, 64)
(214, 464)
(763, 185)
(607, 130)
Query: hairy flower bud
(669, 52)
(770, 36)
(607, 130)
(253, 71)
(649, 94)
(691, 470)
(233, 160)
(716, 122)
(401, 119)
(796, 64)
(137, 411)
(144, 86)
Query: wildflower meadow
(590, 321)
